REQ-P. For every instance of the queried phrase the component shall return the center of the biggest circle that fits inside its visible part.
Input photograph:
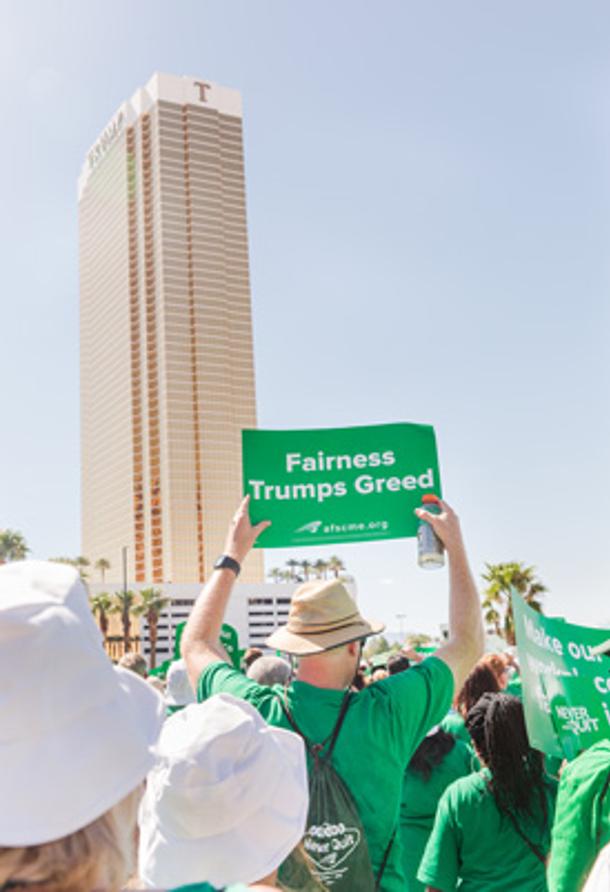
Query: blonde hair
(297, 873)
(135, 663)
(99, 856)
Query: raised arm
(466, 638)
(200, 643)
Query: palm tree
(275, 574)
(321, 568)
(13, 546)
(81, 563)
(292, 565)
(306, 566)
(102, 565)
(335, 564)
(102, 605)
(502, 579)
(152, 604)
(124, 603)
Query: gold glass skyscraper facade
(167, 376)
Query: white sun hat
(227, 801)
(76, 734)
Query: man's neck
(321, 676)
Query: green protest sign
(228, 638)
(566, 690)
(178, 630)
(230, 642)
(163, 668)
(351, 484)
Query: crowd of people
(304, 772)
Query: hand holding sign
(242, 534)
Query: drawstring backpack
(334, 838)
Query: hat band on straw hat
(323, 629)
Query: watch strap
(225, 562)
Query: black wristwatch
(225, 562)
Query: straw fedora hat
(322, 615)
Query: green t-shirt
(420, 799)
(205, 887)
(582, 818)
(453, 723)
(475, 848)
(384, 725)
(515, 687)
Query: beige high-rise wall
(166, 333)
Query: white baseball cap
(227, 801)
(76, 733)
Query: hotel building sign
(106, 140)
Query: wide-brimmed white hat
(76, 734)
(227, 801)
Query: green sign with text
(351, 484)
(566, 690)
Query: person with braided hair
(493, 828)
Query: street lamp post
(127, 644)
(124, 557)
(170, 623)
(401, 617)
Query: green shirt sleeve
(582, 818)
(439, 866)
(221, 678)
(419, 699)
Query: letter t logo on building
(203, 87)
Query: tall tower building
(167, 377)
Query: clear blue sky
(429, 213)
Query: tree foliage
(102, 564)
(123, 603)
(417, 639)
(101, 605)
(378, 644)
(13, 546)
(151, 606)
(301, 571)
(335, 565)
(501, 580)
